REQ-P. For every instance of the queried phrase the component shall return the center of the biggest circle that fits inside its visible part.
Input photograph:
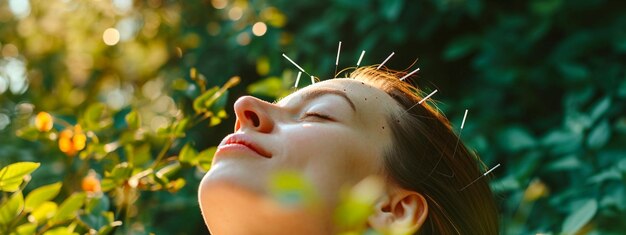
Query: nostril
(252, 117)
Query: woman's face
(333, 133)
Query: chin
(228, 208)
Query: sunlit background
(122, 101)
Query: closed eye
(317, 115)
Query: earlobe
(404, 212)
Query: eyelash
(318, 115)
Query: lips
(242, 139)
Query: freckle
(383, 127)
(363, 83)
(365, 98)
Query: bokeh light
(243, 38)
(111, 36)
(259, 29)
(219, 4)
(235, 13)
(20, 8)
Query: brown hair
(428, 158)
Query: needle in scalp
(337, 60)
(409, 74)
(298, 79)
(483, 175)
(294, 63)
(360, 58)
(385, 61)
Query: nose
(254, 114)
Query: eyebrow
(312, 94)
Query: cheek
(330, 157)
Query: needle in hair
(360, 58)
(298, 79)
(428, 96)
(460, 133)
(294, 63)
(483, 175)
(421, 101)
(337, 60)
(385, 61)
(409, 74)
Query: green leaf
(200, 103)
(44, 193)
(188, 155)
(133, 119)
(461, 47)
(69, 207)
(600, 108)
(28, 133)
(168, 171)
(96, 117)
(205, 158)
(577, 219)
(391, 9)
(11, 208)
(599, 135)
(26, 229)
(44, 212)
(12, 176)
(61, 231)
(269, 87)
(515, 139)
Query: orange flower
(72, 141)
(91, 183)
(43, 122)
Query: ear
(399, 212)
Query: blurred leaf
(516, 138)
(599, 135)
(188, 155)
(569, 162)
(545, 7)
(292, 189)
(133, 119)
(168, 171)
(12, 176)
(269, 87)
(28, 133)
(561, 141)
(26, 229)
(44, 212)
(200, 103)
(461, 47)
(600, 108)
(11, 208)
(262, 66)
(69, 208)
(61, 231)
(390, 9)
(577, 219)
(96, 117)
(42, 194)
(205, 158)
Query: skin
(333, 141)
